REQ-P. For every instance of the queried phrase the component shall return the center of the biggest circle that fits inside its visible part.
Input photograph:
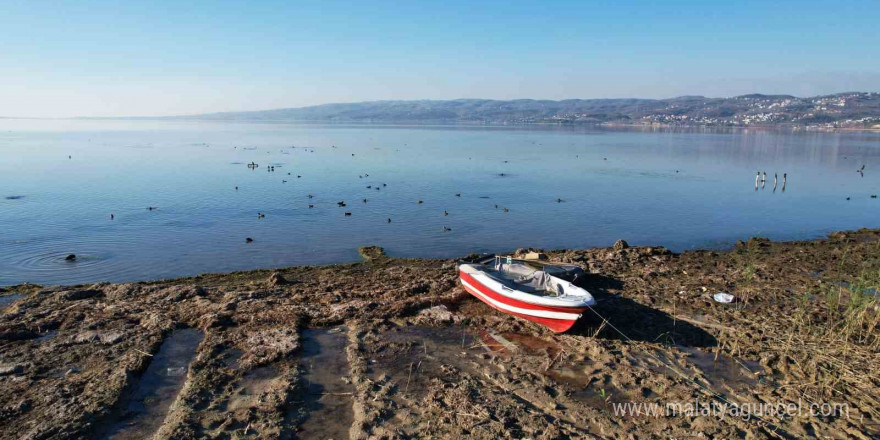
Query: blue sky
(112, 58)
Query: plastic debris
(723, 297)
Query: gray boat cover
(527, 278)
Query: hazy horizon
(99, 59)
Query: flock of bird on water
(760, 181)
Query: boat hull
(557, 319)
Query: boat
(534, 290)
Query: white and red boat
(532, 290)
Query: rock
(276, 279)
(620, 245)
(180, 293)
(110, 337)
(216, 320)
(370, 253)
(16, 332)
(440, 314)
(535, 256)
(70, 257)
(758, 241)
(51, 290)
(419, 288)
(11, 369)
(73, 295)
(86, 336)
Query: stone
(276, 279)
(370, 253)
(11, 369)
(110, 337)
(437, 314)
(73, 295)
(620, 245)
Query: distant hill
(857, 109)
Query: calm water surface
(61, 180)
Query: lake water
(683, 189)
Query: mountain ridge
(851, 109)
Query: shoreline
(409, 354)
(466, 123)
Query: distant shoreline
(450, 123)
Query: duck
(261, 215)
(445, 212)
(446, 229)
(340, 203)
(506, 210)
(420, 202)
(311, 206)
(559, 200)
(348, 214)
(248, 240)
(458, 195)
(365, 200)
(389, 220)
(112, 216)
(311, 196)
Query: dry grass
(831, 343)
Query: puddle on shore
(410, 357)
(723, 371)
(6, 301)
(857, 289)
(145, 409)
(513, 343)
(413, 355)
(253, 384)
(323, 406)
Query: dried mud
(393, 348)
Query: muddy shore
(393, 348)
